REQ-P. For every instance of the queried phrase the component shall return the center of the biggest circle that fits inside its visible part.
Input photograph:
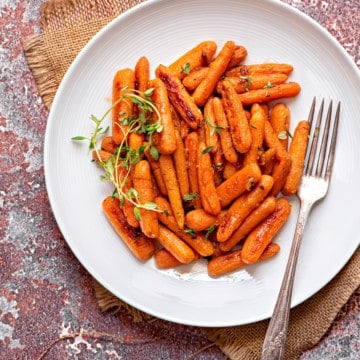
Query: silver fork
(313, 187)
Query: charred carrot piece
(238, 123)
(139, 244)
(180, 98)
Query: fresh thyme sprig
(147, 122)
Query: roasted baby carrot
(172, 185)
(123, 83)
(261, 236)
(177, 247)
(192, 147)
(257, 125)
(210, 128)
(242, 207)
(235, 114)
(280, 122)
(205, 171)
(164, 140)
(101, 155)
(197, 242)
(199, 219)
(297, 153)
(200, 55)
(165, 260)
(250, 222)
(142, 74)
(181, 166)
(280, 173)
(216, 69)
(265, 68)
(232, 261)
(108, 144)
(270, 93)
(257, 81)
(139, 244)
(238, 56)
(180, 98)
(143, 185)
(195, 77)
(226, 142)
(241, 181)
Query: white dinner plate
(162, 31)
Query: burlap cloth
(66, 26)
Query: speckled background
(45, 293)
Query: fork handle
(275, 338)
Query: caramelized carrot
(172, 186)
(200, 55)
(242, 180)
(250, 222)
(165, 139)
(281, 91)
(180, 98)
(297, 153)
(242, 207)
(280, 122)
(123, 83)
(143, 185)
(226, 143)
(197, 242)
(208, 195)
(235, 114)
(139, 244)
(192, 147)
(142, 74)
(216, 69)
(262, 235)
(232, 261)
(257, 125)
(177, 247)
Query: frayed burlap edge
(38, 61)
(58, 16)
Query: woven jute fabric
(66, 26)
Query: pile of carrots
(226, 159)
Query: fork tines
(327, 148)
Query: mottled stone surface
(44, 292)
